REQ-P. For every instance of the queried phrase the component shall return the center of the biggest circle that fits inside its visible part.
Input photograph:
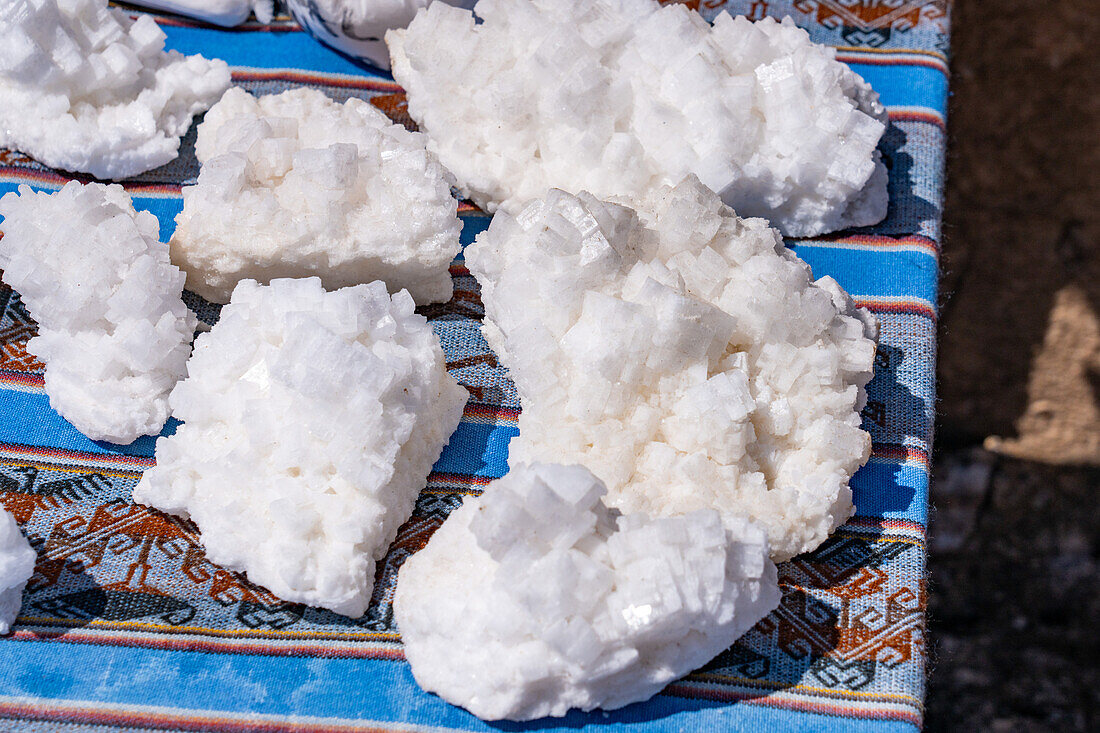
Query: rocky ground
(1014, 603)
(1015, 596)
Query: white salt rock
(113, 331)
(311, 420)
(296, 185)
(356, 27)
(618, 97)
(17, 559)
(226, 13)
(85, 88)
(536, 598)
(687, 358)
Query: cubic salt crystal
(85, 88)
(618, 97)
(356, 27)
(535, 598)
(113, 331)
(296, 185)
(686, 357)
(311, 420)
(17, 559)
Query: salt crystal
(684, 356)
(535, 598)
(85, 88)
(311, 421)
(297, 185)
(619, 97)
(17, 559)
(113, 331)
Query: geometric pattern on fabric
(125, 624)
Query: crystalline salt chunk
(311, 420)
(85, 88)
(605, 617)
(114, 333)
(296, 185)
(700, 367)
(626, 95)
(17, 559)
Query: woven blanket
(125, 624)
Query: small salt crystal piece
(113, 330)
(535, 598)
(17, 559)
(297, 185)
(686, 357)
(85, 88)
(618, 97)
(311, 420)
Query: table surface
(126, 624)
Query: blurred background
(1014, 587)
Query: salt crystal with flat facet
(535, 598)
(684, 356)
(297, 185)
(17, 559)
(618, 97)
(85, 88)
(113, 331)
(311, 421)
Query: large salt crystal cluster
(17, 559)
(296, 185)
(113, 331)
(311, 420)
(617, 97)
(686, 357)
(536, 598)
(85, 88)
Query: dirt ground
(1014, 602)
